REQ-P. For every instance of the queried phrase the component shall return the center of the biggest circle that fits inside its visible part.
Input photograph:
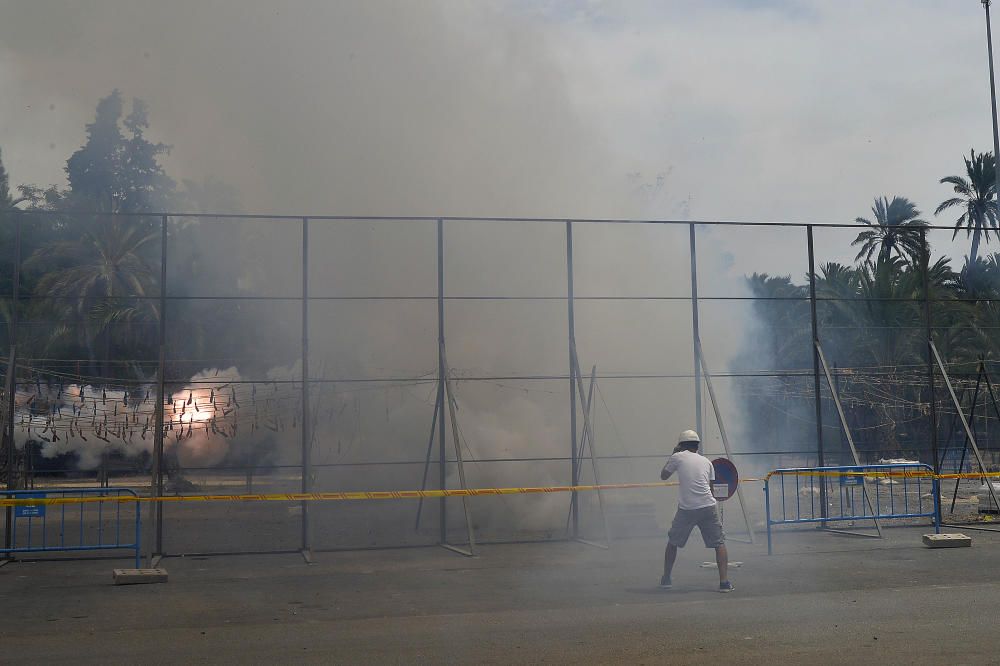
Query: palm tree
(105, 265)
(979, 279)
(837, 284)
(888, 314)
(969, 308)
(836, 308)
(891, 336)
(896, 228)
(977, 197)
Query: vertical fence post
(306, 429)
(156, 511)
(926, 251)
(12, 380)
(696, 332)
(571, 318)
(820, 453)
(993, 89)
(442, 516)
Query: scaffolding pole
(814, 322)
(965, 442)
(588, 436)
(850, 439)
(427, 464)
(306, 545)
(456, 440)
(442, 462)
(722, 432)
(156, 489)
(965, 422)
(12, 378)
(571, 326)
(695, 329)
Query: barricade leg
(936, 489)
(767, 516)
(138, 534)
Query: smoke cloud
(389, 108)
(369, 107)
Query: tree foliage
(117, 170)
(872, 321)
(894, 229)
(6, 201)
(976, 199)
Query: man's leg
(669, 557)
(722, 559)
(678, 535)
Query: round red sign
(726, 479)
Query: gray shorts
(707, 520)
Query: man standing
(695, 506)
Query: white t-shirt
(694, 471)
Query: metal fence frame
(570, 298)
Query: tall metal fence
(185, 354)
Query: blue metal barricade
(851, 493)
(85, 526)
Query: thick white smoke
(382, 108)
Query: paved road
(822, 598)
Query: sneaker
(665, 583)
(726, 586)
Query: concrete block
(139, 576)
(947, 540)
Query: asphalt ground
(822, 597)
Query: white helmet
(688, 436)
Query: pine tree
(5, 199)
(116, 171)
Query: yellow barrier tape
(871, 474)
(456, 492)
(334, 496)
(969, 475)
(874, 474)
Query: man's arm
(669, 468)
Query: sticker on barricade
(852, 480)
(48, 521)
(30, 510)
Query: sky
(735, 109)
